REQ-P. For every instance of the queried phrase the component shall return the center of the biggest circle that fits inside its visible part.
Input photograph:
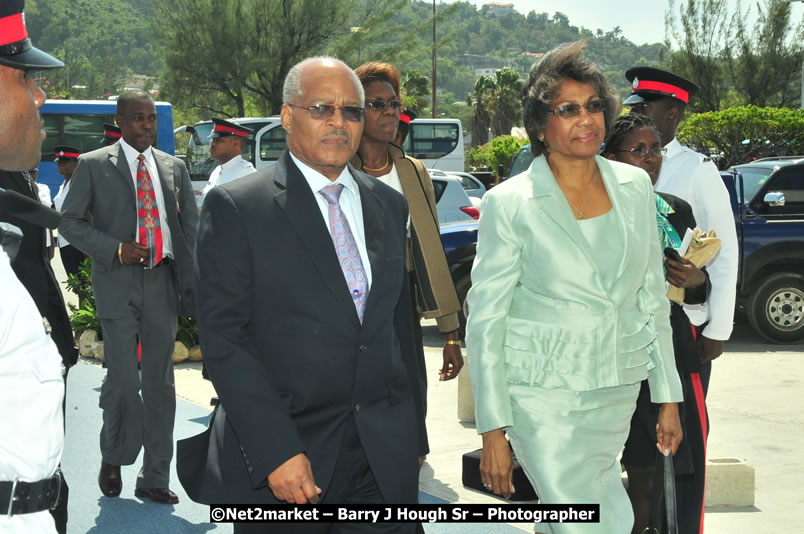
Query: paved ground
(755, 406)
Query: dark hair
(377, 71)
(544, 81)
(625, 125)
(129, 96)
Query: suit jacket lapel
(622, 202)
(299, 205)
(165, 169)
(25, 187)
(374, 226)
(554, 204)
(118, 159)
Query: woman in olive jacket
(431, 282)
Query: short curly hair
(377, 71)
(625, 125)
(544, 81)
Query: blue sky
(641, 22)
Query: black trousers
(71, 258)
(352, 483)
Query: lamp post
(434, 62)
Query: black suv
(768, 201)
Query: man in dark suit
(309, 348)
(32, 267)
(144, 221)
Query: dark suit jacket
(32, 267)
(103, 186)
(284, 347)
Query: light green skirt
(568, 442)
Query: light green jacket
(539, 313)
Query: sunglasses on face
(567, 111)
(379, 105)
(641, 151)
(321, 112)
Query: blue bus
(79, 123)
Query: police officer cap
(650, 83)
(111, 133)
(66, 153)
(224, 128)
(16, 50)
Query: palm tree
(480, 113)
(506, 108)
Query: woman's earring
(541, 139)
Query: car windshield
(753, 179)
(522, 161)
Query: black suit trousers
(352, 483)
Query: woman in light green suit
(567, 311)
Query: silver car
(452, 202)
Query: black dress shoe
(109, 479)
(160, 495)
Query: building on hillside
(499, 8)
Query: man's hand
(293, 481)
(709, 349)
(684, 274)
(132, 252)
(453, 360)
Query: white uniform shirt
(350, 205)
(686, 174)
(44, 198)
(131, 158)
(227, 172)
(58, 200)
(31, 393)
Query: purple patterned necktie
(346, 248)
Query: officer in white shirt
(227, 142)
(66, 158)
(31, 379)
(663, 96)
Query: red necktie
(149, 231)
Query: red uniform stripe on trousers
(697, 387)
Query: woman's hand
(496, 466)
(668, 429)
(684, 274)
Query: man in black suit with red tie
(305, 323)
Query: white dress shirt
(349, 202)
(392, 180)
(131, 158)
(31, 393)
(227, 172)
(694, 178)
(58, 201)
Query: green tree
(765, 60)
(417, 86)
(220, 55)
(481, 119)
(740, 133)
(506, 109)
(699, 31)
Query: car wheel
(776, 310)
(462, 288)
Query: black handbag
(470, 476)
(662, 518)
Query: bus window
(438, 143)
(273, 143)
(432, 141)
(81, 131)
